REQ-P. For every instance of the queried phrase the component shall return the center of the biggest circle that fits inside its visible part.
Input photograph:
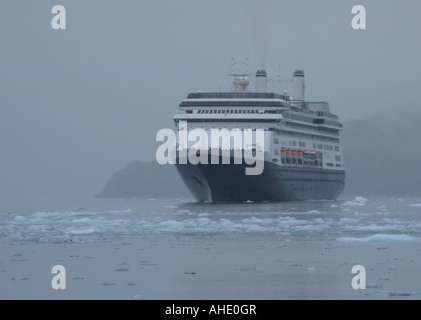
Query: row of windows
(236, 95)
(225, 111)
(315, 146)
(304, 126)
(228, 120)
(303, 135)
(325, 147)
(292, 143)
(299, 162)
(300, 126)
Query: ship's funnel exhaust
(298, 85)
(261, 81)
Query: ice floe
(382, 238)
(284, 220)
(358, 201)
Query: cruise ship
(302, 153)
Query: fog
(76, 105)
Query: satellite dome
(243, 82)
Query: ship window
(276, 141)
(314, 146)
(275, 152)
(336, 148)
(199, 111)
(320, 146)
(219, 111)
(338, 158)
(275, 160)
(207, 111)
(301, 144)
(230, 111)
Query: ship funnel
(298, 85)
(261, 81)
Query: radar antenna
(240, 75)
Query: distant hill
(382, 156)
(144, 180)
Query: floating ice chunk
(120, 211)
(358, 201)
(333, 206)
(171, 225)
(81, 231)
(348, 220)
(313, 211)
(203, 214)
(19, 219)
(361, 199)
(382, 238)
(415, 205)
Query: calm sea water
(178, 249)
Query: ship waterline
(227, 183)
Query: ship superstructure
(303, 157)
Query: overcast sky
(78, 104)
